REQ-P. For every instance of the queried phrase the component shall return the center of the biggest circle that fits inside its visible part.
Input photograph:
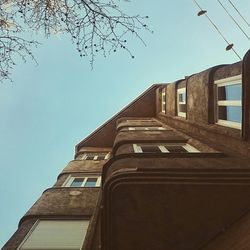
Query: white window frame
(71, 178)
(35, 225)
(95, 154)
(147, 128)
(234, 80)
(163, 147)
(181, 91)
(163, 100)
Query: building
(171, 171)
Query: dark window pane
(90, 157)
(230, 92)
(229, 113)
(77, 182)
(182, 108)
(91, 182)
(150, 149)
(101, 157)
(176, 149)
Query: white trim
(107, 156)
(143, 128)
(98, 183)
(66, 181)
(131, 128)
(163, 149)
(228, 81)
(190, 148)
(181, 91)
(230, 124)
(137, 149)
(71, 179)
(163, 100)
(163, 128)
(182, 114)
(182, 102)
(84, 156)
(234, 80)
(95, 155)
(229, 103)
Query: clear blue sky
(51, 107)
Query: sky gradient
(49, 108)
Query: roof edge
(154, 86)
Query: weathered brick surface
(65, 201)
(84, 166)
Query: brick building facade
(170, 171)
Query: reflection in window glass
(82, 181)
(182, 97)
(230, 113)
(77, 182)
(181, 102)
(91, 182)
(101, 157)
(229, 92)
(229, 101)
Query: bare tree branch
(94, 26)
(12, 45)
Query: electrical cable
(239, 13)
(218, 30)
(233, 19)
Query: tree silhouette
(94, 27)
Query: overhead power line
(233, 19)
(229, 45)
(239, 13)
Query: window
(140, 120)
(181, 102)
(164, 148)
(147, 128)
(163, 100)
(228, 99)
(95, 156)
(83, 181)
(55, 234)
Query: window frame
(141, 120)
(144, 128)
(96, 154)
(34, 226)
(163, 100)
(163, 147)
(234, 80)
(70, 179)
(181, 91)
